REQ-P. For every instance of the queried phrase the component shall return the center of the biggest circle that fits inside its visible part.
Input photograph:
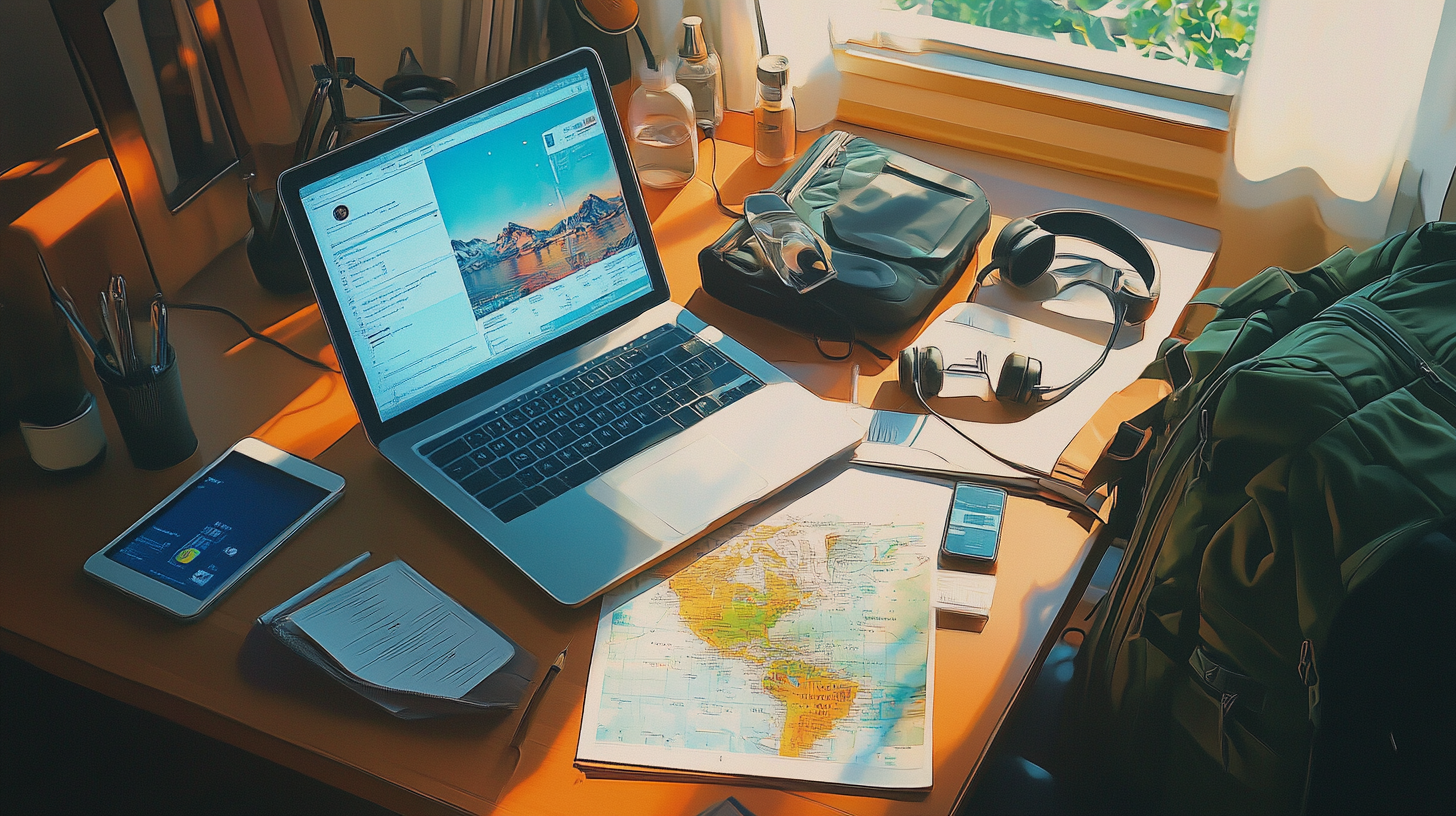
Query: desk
(201, 675)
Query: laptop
(487, 274)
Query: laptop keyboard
(559, 435)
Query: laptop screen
(464, 249)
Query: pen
(159, 334)
(108, 332)
(555, 669)
(67, 305)
(268, 617)
(127, 353)
(854, 384)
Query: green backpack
(1309, 438)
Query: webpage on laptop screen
(467, 248)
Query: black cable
(262, 338)
(920, 397)
(713, 177)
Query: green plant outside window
(1214, 34)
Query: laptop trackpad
(695, 485)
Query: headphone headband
(1025, 250)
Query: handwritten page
(394, 629)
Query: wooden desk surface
(219, 677)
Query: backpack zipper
(827, 155)
(1393, 341)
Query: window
(1216, 35)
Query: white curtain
(1344, 103)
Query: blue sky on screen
(505, 175)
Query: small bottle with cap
(699, 71)
(773, 116)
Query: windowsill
(1026, 115)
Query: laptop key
(554, 486)
(664, 405)
(606, 435)
(499, 492)
(513, 509)
(502, 468)
(637, 396)
(600, 416)
(581, 425)
(497, 427)
(587, 445)
(620, 405)
(678, 355)
(706, 406)
(482, 457)
(593, 378)
(568, 455)
(638, 376)
(562, 436)
(449, 453)
(541, 425)
(520, 436)
(696, 367)
(479, 480)
(556, 397)
(750, 386)
(460, 468)
(645, 414)
(661, 365)
(573, 388)
(581, 405)
(499, 446)
(561, 415)
(625, 425)
(676, 377)
(541, 447)
(578, 474)
(656, 388)
(522, 457)
(535, 407)
(476, 438)
(515, 418)
(685, 417)
(683, 396)
(634, 444)
(618, 386)
(529, 476)
(550, 466)
(539, 495)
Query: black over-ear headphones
(1024, 252)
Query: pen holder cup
(151, 414)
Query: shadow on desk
(66, 749)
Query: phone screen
(217, 524)
(975, 522)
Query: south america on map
(795, 644)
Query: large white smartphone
(202, 540)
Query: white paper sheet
(797, 644)
(393, 628)
(966, 593)
(1066, 333)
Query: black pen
(551, 672)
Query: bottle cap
(773, 71)
(654, 80)
(694, 48)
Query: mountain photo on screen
(532, 204)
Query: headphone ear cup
(907, 370)
(931, 368)
(1030, 257)
(1007, 238)
(1020, 375)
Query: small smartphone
(203, 539)
(974, 530)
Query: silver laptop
(487, 274)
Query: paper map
(794, 646)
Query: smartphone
(203, 539)
(974, 530)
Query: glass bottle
(661, 127)
(698, 71)
(773, 116)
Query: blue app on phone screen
(975, 522)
